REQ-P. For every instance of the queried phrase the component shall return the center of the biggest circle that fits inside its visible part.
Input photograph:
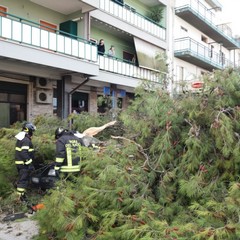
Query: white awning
(146, 54)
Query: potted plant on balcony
(156, 14)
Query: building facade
(50, 61)
(202, 42)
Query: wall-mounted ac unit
(44, 96)
(43, 83)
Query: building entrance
(80, 102)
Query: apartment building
(49, 61)
(202, 42)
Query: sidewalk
(21, 229)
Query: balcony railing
(26, 32)
(203, 53)
(128, 14)
(219, 32)
(198, 7)
(119, 66)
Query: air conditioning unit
(44, 96)
(43, 83)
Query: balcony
(119, 66)
(193, 52)
(29, 33)
(129, 15)
(195, 13)
(214, 4)
(68, 7)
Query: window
(211, 51)
(48, 26)
(221, 57)
(128, 57)
(3, 10)
(183, 32)
(55, 101)
(180, 73)
(204, 39)
(184, 29)
(80, 102)
(120, 2)
(104, 103)
(13, 103)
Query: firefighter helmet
(29, 128)
(59, 131)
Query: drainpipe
(70, 98)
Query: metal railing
(27, 32)
(127, 68)
(205, 13)
(30, 33)
(202, 52)
(198, 7)
(130, 15)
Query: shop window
(79, 102)
(17, 112)
(54, 101)
(3, 97)
(13, 103)
(17, 98)
(105, 103)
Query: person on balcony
(101, 47)
(111, 51)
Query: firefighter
(68, 152)
(68, 147)
(24, 155)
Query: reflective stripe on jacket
(68, 153)
(24, 151)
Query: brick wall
(92, 108)
(36, 108)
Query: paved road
(21, 229)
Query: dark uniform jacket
(68, 153)
(24, 152)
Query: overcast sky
(231, 12)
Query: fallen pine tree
(174, 174)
